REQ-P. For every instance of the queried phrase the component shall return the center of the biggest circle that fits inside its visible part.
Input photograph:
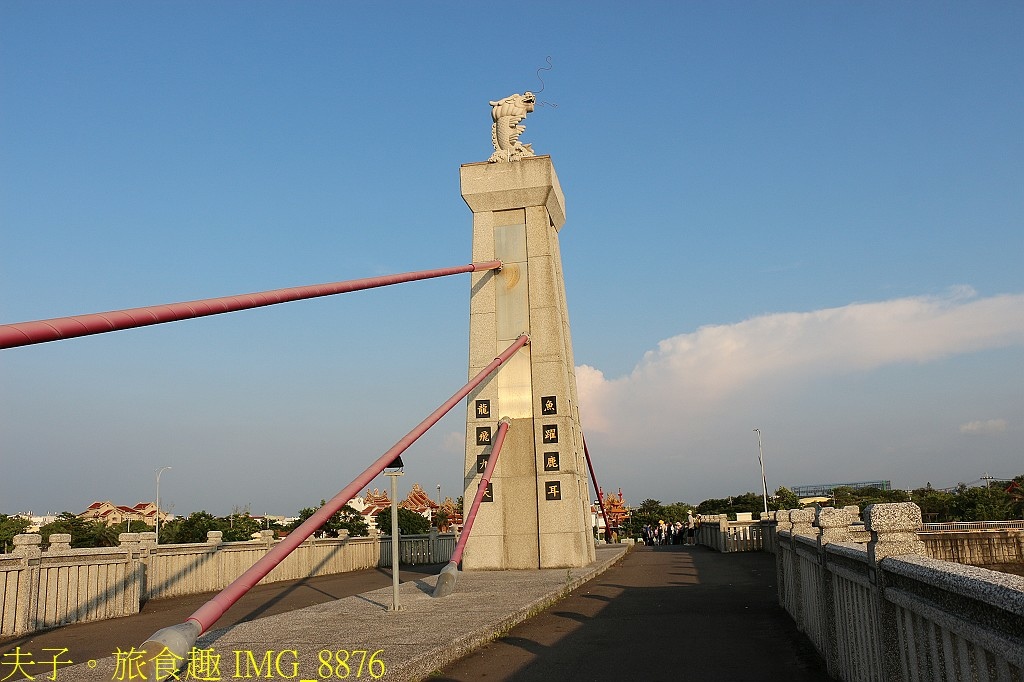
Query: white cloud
(824, 386)
(983, 427)
(706, 367)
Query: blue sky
(806, 218)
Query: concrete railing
(418, 549)
(1001, 549)
(723, 535)
(884, 611)
(40, 590)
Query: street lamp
(394, 470)
(760, 459)
(158, 472)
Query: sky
(803, 218)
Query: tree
(648, 513)
(238, 527)
(936, 505)
(346, 518)
(132, 527)
(83, 533)
(440, 520)
(409, 522)
(9, 527)
(675, 512)
(191, 528)
(784, 498)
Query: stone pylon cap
(503, 186)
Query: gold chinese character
(55, 661)
(166, 664)
(128, 664)
(19, 659)
(203, 664)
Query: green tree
(188, 529)
(409, 522)
(9, 527)
(133, 527)
(346, 518)
(991, 503)
(440, 520)
(238, 527)
(84, 533)
(676, 512)
(936, 505)
(784, 498)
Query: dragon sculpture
(507, 114)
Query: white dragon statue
(507, 114)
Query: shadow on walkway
(668, 613)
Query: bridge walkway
(667, 613)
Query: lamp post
(760, 459)
(157, 523)
(394, 470)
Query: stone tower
(537, 513)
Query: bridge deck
(671, 613)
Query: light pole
(158, 472)
(760, 459)
(394, 470)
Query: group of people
(677, 533)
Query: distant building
(112, 514)
(418, 501)
(615, 509)
(825, 489)
(36, 522)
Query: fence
(883, 611)
(723, 535)
(40, 590)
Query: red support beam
(180, 638)
(450, 574)
(492, 461)
(597, 488)
(41, 331)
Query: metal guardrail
(970, 525)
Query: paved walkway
(673, 613)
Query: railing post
(28, 547)
(432, 546)
(782, 524)
(215, 538)
(148, 559)
(893, 529)
(834, 526)
(58, 542)
(801, 520)
(130, 542)
(765, 528)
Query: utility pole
(760, 459)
